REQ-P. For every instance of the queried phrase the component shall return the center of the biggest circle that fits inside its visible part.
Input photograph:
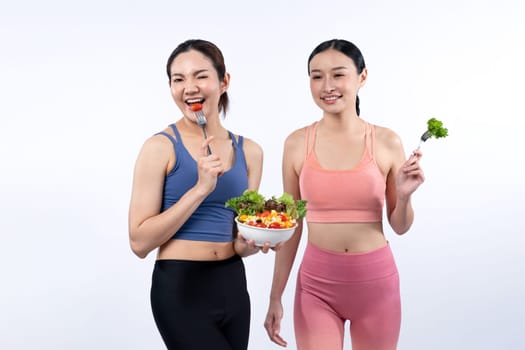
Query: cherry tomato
(195, 107)
(283, 217)
(275, 225)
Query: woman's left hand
(410, 176)
(245, 247)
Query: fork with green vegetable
(434, 129)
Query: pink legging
(335, 287)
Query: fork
(201, 120)
(426, 135)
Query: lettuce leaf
(252, 202)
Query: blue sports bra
(211, 221)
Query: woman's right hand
(273, 322)
(209, 167)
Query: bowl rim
(265, 228)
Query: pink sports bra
(342, 196)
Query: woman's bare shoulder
(252, 148)
(296, 137)
(157, 147)
(387, 137)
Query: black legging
(201, 304)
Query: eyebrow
(195, 73)
(333, 69)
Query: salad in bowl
(263, 220)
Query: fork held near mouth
(201, 120)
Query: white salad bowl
(262, 235)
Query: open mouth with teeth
(192, 101)
(330, 98)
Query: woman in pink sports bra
(345, 168)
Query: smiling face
(334, 81)
(193, 79)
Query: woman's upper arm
(392, 156)
(148, 180)
(292, 161)
(254, 160)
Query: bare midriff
(195, 250)
(347, 237)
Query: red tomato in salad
(275, 225)
(283, 217)
(256, 224)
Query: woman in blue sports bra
(199, 296)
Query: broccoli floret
(436, 129)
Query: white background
(82, 85)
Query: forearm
(156, 230)
(402, 216)
(284, 260)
